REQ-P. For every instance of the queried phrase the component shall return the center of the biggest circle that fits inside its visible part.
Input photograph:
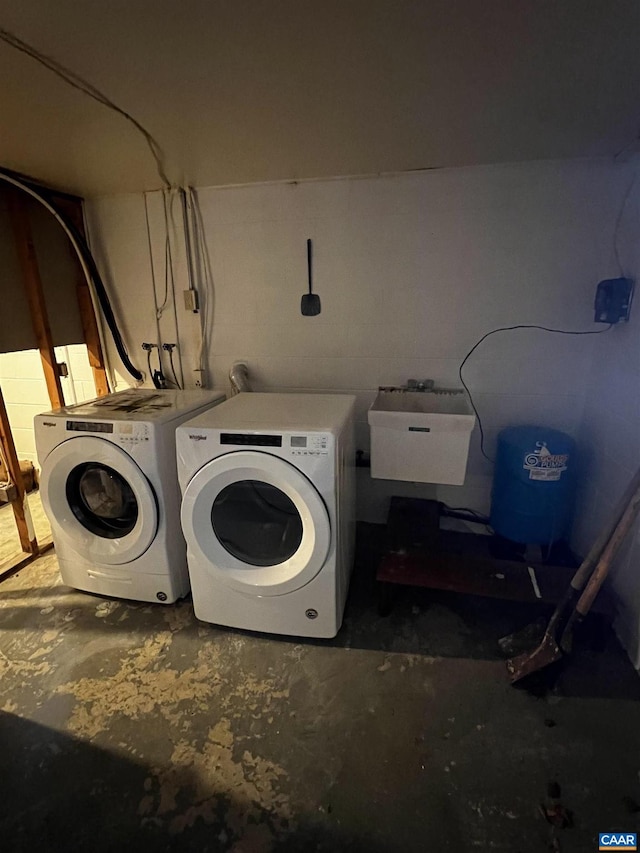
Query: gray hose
(239, 377)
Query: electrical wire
(151, 378)
(204, 265)
(77, 82)
(194, 278)
(170, 225)
(187, 238)
(191, 235)
(510, 329)
(173, 370)
(152, 268)
(87, 263)
(158, 377)
(168, 260)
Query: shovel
(584, 587)
(310, 303)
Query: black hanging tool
(310, 303)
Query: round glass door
(102, 500)
(98, 500)
(257, 523)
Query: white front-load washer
(268, 511)
(110, 490)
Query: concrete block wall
(25, 391)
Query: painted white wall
(25, 391)
(411, 269)
(610, 438)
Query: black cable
(510, 329)
(82, 85)
(103, 297)
(149, 366)
(464, 509)
(48, 201)
(158, 376)
(173, 370)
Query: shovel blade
(544, 655)
(524, 640)
(310, 304)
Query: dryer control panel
(304, 444)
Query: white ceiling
(255, 90)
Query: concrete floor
(133, 727)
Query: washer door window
(98, 500)
(257, 522)
(102, 500)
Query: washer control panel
(89, 426)
(314, 444)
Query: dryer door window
(257, 523)
(102, 500)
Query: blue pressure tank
(533, 485)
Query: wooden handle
(604, 563)
(310, 265)
(581, 577)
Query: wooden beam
(19, 215)
(71, 209)
(20, 506)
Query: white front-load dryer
(110, 490)
(268, 511)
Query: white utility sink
(421, 436)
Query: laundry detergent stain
(244, 795)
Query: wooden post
(20, 506)
(19, 215)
